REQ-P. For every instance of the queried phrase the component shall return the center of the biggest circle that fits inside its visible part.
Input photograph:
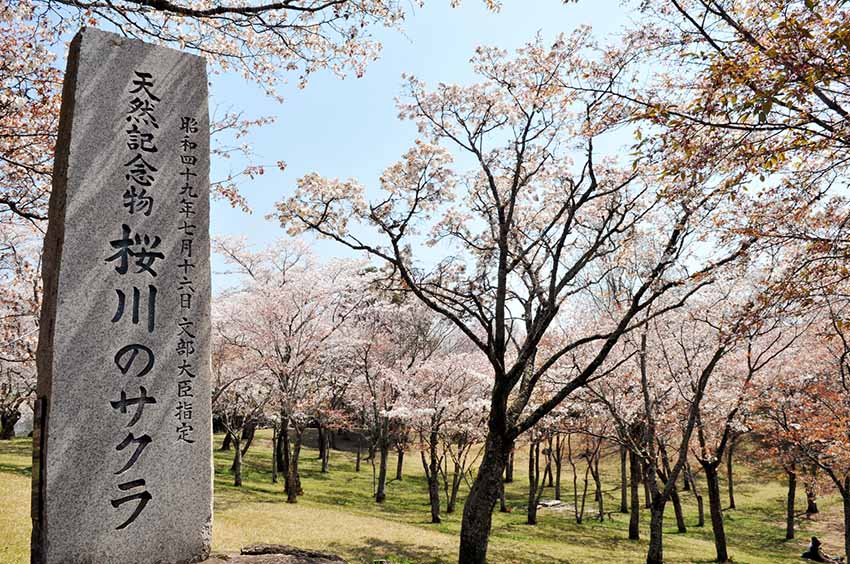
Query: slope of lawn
(337, 514)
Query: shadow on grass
(16, 456)
(25, 471)
(21, 446)
(228, 496)
(372, 549)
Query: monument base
(275, 554)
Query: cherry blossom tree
(241, 391)
(392, 341)
(768, 78)
(523, 231)
(536, 437)
(461, 440)
(759, 86)
(29, 112)
(268, 43)
(729, 398)
(768, 425)
(30, 96)
(333, 411)
(689, 381)
(809, 409)
(284, 311)
(20, 296)
(444, 401)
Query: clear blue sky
(349, 128)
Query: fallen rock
(275, 554)
(257, 549)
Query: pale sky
(349, 128)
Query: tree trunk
(548, 478)
(503, 503)
(478, 509)
(716, 511)
(697, 494)
(374, 475)
(700, 508)
(275, 433)
(291, 486)
(677, 509)
(509, 469)
(399, 465)
(284, 456)
(647, 497)
(237, 463)
(655, 552)
(674, 491)
(432, 469)
(283, 451)
(359, 453)
(381, 493)
(7, 424)
(579, 508)
(729, 478)
(634, 480)
(322, 444)
(533, 481)
(296, 458)
(457, 476)
(293, 479)
(792, 492)
(559, 455)
(597, 482)
(326, 452)
(225, 444)
(578, 516)
(845, 494)
(594, 471)
(624, 481)
(248, 437)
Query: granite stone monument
(122, 469)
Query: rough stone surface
(275, 554)
(270, 559)
(258, 549)
(90, 453)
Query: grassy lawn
(337, 514)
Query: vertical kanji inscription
(124, 429)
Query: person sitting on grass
(815, 554)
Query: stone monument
(122, 468)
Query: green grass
(337, 514)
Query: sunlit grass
(337, 514)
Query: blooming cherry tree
(524, 232)
(285, 310)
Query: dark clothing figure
(814, 552)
